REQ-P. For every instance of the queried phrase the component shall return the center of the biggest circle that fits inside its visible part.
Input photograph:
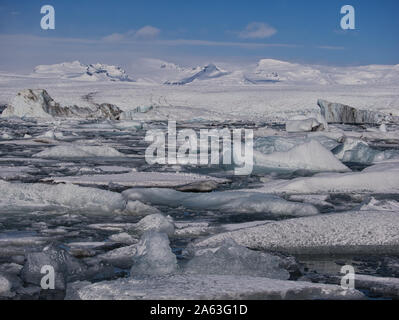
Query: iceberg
(233, 259)
(310, 156)
(225, 201)
(38, 103)
(340, 113)
(306, 125)
(66, 267)
(358, 151)
(154, 256)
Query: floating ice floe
(357, 232)
(306, 125)
(192, 229)
(380, 178)
(154, 256)
(123, 237)
(310, 156)
(10, 173)
(37, 196)
(121, 257)
(37, 103)
(233, 259)
(340, 113)
(226, 201)
(138, 179)
(52, 134)
(207, 287)
(78, 151)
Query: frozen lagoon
(351, 214)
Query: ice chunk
(52, 134)
(306, 125)
(5, 287)
(357, 232)
(154, 256)
(65, 266)
(156, 222)
(226, 201)
(210, 287)
(192, 229)
(78, 151)
(123, 237)
(340, 113)
(233, 259)
(121, 257)
(355, 150)
(27, 196)
(311, 156)
(272, 144)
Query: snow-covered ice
(28, 197)
(78, 151)
(375, 179)
(233, 259)
(361, 232)
(138, 179)
(311, 156)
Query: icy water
(22, 232)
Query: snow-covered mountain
(270, 70)
(265, 72)
(210, 71)
(78, 71)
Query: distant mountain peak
(77, 71)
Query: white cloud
(147, 32)
(115, 37)
(257, 30)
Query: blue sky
(194, 31)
